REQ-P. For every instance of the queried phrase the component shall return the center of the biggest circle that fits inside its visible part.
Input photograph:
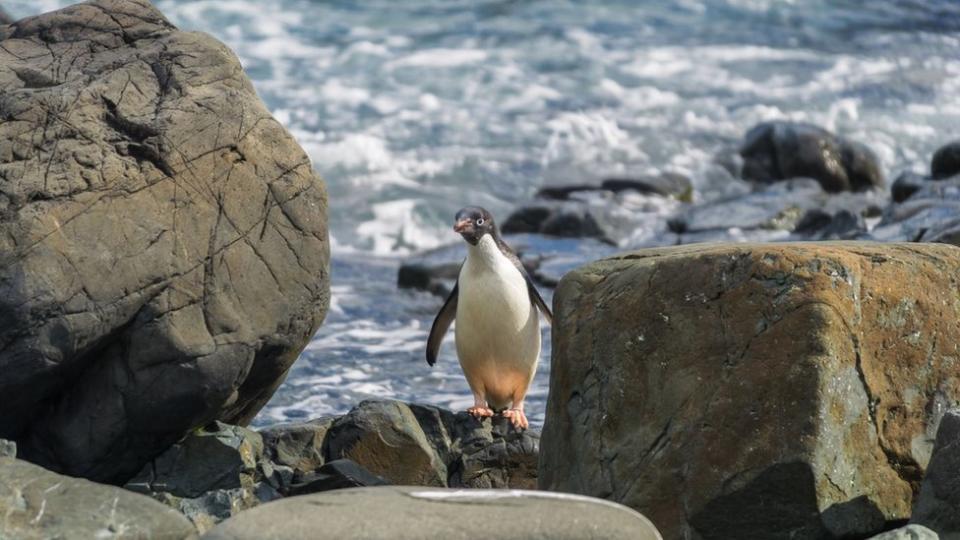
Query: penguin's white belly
(497, 331)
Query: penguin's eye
(479, 221)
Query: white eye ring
(480, 221)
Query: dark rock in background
(774, 151)
(906, 185)
(817, 224)
(5, 17)
(163, 240)
(931, 214)
(665, 184)
(37, 503)
(946, 161)
(938, 504)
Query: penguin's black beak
(463, 226)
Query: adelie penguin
(498, 328)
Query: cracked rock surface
(163, 240)
(754, 390)
(36, 503)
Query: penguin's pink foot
(480, 411)
(517, 418)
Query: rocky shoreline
(166, 258)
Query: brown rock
(163, 240)
(754, 391)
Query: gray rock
(561, 219)
(163, 241)
(665, 184)
(481, 454)
(36, 503)
(910, 532)
(408, 513)
(8, 449)
(946, 161)
(219, 456)
(297, 446)
(5, 17)
(931, 214)
(782, 206)
(337, 474)
(385, 438)
(774, 151)
(938, 504)
(817, 224)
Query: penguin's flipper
(536, 299)
(441, 324)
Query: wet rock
(910, 532)
(564, 220)
(385, 438)
(754, 390)
(37, 503)
(780, 207)
(931, 214)
(906, 185)
(774, 151)
(219, 456)
(665, 184)
(407, 513)
(132, 150)
(938, 504)
(337, 474)
(946, 161)
(818, 224)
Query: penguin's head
(473, 222)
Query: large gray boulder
(36, 503)
(163, 240)
(410, 513)
(754, 390)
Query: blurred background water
(413, 109)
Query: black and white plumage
(497, 308)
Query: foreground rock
(909, 532)
(416, 513)
(163, 242)
(754, 391)
(222, 470)
(938, 505)
(36, 503)
(774, 151)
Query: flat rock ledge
(415, 513)
(757, 390)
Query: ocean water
(410, 110)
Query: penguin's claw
(517, 418)
(478, 411)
